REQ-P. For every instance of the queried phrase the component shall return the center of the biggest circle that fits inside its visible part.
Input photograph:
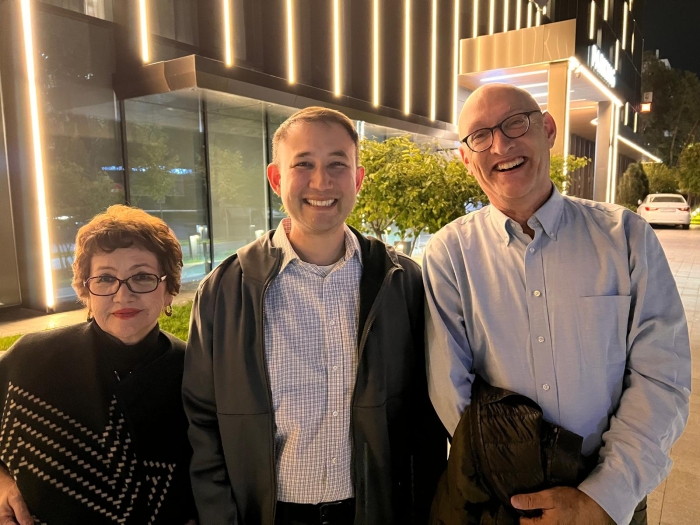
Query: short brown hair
(123, 227)
(315, 114)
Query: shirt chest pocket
(602, 328)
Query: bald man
(566, 301)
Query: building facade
(170, 105)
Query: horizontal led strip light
(143, 23)
(25, 7)
(228, 49)
(638, 148)
(336, 48)
(455, 57)
(407, 58)
(433, 63)
(591, 29)
(514, 75)
(291, 68)
(580, 68)
(375, 53)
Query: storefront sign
(601, 66)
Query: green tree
(633, 186)
(689, 172)
(674, 120)
(151, 162)
(556, 168)
(662, 179)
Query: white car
(665, 208)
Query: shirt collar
(281, 240)
(548, 215)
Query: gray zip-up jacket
(398, 442)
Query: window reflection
(97, 8)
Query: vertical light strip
(631, 4)
(506, 15)
(291, 68)
(407, 58)
(518, 14)
(606, 8)
(617, 55)
(635, 121)
(475, 17)
(616, 130)
(544, 11)
(624, 26)
(455, 59)
(25, 7)
(567, 124)
(538, 17)
(627, 113)
(492, 16)
(529, 14)
(375, 54)
(433, 64)
(228, 47)
(336, 48)
(591, 29)
(633, 41)
(143, 22)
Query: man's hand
(561, 506)
(13, 509)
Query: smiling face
(514, 173)
(126, 315)
(317, 177)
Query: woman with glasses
(93, 430)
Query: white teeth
(512, 164)
(321, 203)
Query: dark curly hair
(123, 227)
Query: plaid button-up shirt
(311, 316)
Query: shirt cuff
(610, 489)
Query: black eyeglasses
(513, 127)
(104, 285)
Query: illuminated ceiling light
(538, 84)
(518, 15)
(475, 18)
(291, 68)
(624, 26)
(492, 16)
(143, 20)
(514, 75)
(529, 14)
(538, 17)
(582, 107)
(228, 48)
(375, 54)
(407, 59)
(506, 15)
(635, 121)
(455, 59)
(433, 63)
(593, 79)
(536, 95)
(25, 7)
(617, 55)
(336, 48)
(591, 28)
(606, 8)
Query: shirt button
(334, 460)
(545, 387)
(335, 368)
(335, 413)
(540, 339)
(331, 322)
(537, 293)
(532, 250)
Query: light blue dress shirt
(585, 319)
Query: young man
(305, 374)
(568, 302)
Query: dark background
(673, 27)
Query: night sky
(673, 27)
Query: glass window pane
(237, 169)
(165, 147)
(81, 139)
(275, 116)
